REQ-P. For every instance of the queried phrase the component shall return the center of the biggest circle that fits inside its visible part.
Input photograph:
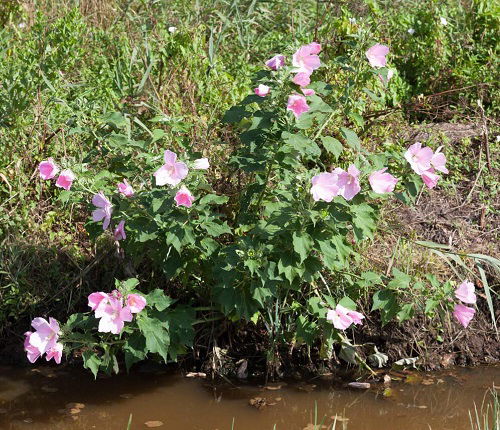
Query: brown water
(62, 398)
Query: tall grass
(488, 416)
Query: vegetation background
(181, 64)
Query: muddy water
(54, 398)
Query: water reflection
(59, 398)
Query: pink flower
(275, 63)
(172, 172)
(305, 59)
(201, 164)
(32, 352)
(314, 47)
(419, 158)
(342, 318)
(356, 317)
(438, 161)
(463, 314)
(262, 90)
(308, 91)
(348, 181)
(65, 179)
(113, 316)
(119, 233)
(430, 178)
(136, 303)
(382, 182)
(325, 186)
(46, 335)
(184, 197)
(55, 353)
(125, 188)
(302, 79)
(104, 211)
(48, 169)
(466, 292)
(376, 55)
(95, 299)
(297, 104)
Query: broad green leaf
(302, 244)
(351, 138)
(401, 280)
(91, 361)
(385, 301)
(332, 145)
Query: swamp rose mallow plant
(183, 197)
(103, 213)
(262, 90)
(119, 233)
(136, 303)
(44, 340)
(463, 314)
(325, 186)
(111, 312)
(302, 79)
(275, 63)
(113, 315)
(297, 104)
(348, 182)
(305, 59)
(342, 318)
(382, 182)
(65, 179)
(125, 188)
(419, 157)
(172, 172)
(377, 55)
(48, 169)
(465, 292)
(201, 164)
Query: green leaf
(406, 312)
(213, 199)
(302, 244)
(306, 330)
(363, 220)
(332, 145)
(401, 280)
(64, 196)
(159, 300)
(348, 353)
(385, 301)
(235, 115)
(91, 361)
(348, 303)
(214, 229)
(299, 143)
(135, 349)
(351, 138)
(157, 337)
(130, 284)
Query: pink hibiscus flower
(382, 182)
(48, 169)
(172, 172)
(183, 197)
(297, 104)
(376, 55)
(104, 209)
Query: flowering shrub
(278, 248)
